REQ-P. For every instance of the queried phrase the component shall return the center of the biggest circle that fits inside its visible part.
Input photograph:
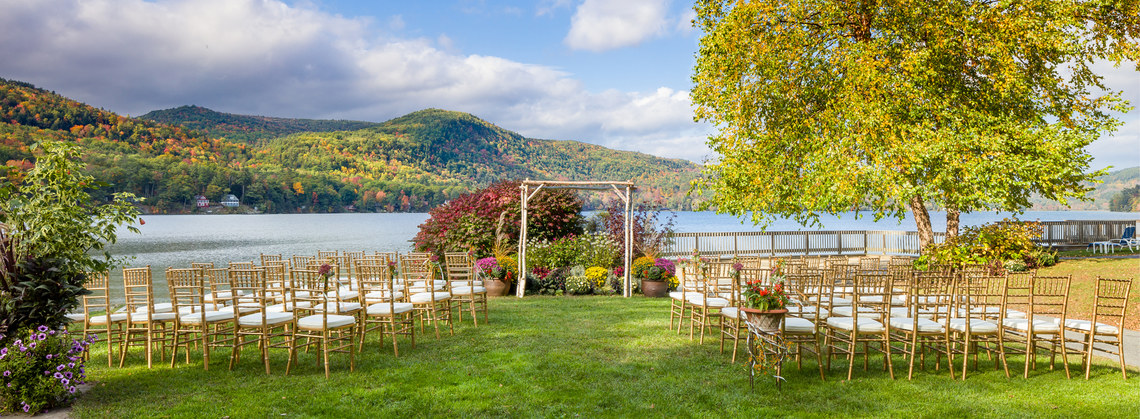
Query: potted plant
(656, 275)
(765, 303)
(498, 274)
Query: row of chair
(847, 309)
(282, 304)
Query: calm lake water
(177, 240)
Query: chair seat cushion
(211, 316)
(425, 297)
(468, 290)
(314, 322)
(1039, 326)
(992, 311)
(275, 318)
(1085, 325)
(807, 312)
(909, 323)
(834, 301)
(287, 307)
(798, 326)
(923, 312)
(733, 312)
(872, 299)
(343, 294)
(339, 308)
(158, 308)
(102, 319)
(681, 296)
(157, 317)
(846, 311)
(75, 317)
(848, 323)
(701, 300)
(383, 295)
(979, 326)
(383, 309)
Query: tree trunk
(922, 219)
(952, 215)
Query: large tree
(825, 106)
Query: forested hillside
(1102, 195)
(244, 128)
(411, 163)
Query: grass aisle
(584, 356)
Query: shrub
(41, 369)
(586, 250)
(1015, 265)
(553, 283)
(509, 266)
(52, 234)
(651, 230)
(641, 266)
(597, 276)
(1001, 241)
(470, 221)
(577, 283)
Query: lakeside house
(202, 201)
(230, 201)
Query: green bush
(577, 283)
(986, 244)
(1015, 265)
(41, 369)
(586, 250)
(554, 283)
(52, 234)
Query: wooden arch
(624, 190)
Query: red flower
(763, 293)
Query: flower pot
(654, 289)
(767, 321)
(497, 287)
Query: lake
(177, 240)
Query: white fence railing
(789, 243)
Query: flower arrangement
(41, 369)
(325, 271)
(764, 297)
(649, 269)
(491, 267)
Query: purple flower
(57, 375)
(7, 373)
(48, 356)
(42, 328)
(64, 381)
(51, 332)
(71, 389)
(67, 374)
(59, 368)
(71, 365)
(42, 336)
(32, 345)
(26, 407)
(325, 270)
(666, 265)
(737, 266)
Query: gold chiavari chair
(384, 310)
(708, 301)
(978, 316)
(265, 259)
(318, 320)
(98, 316)
(1048, 298)
(196, 323)
(871, 296)
(930, 299)
(465, 287)
(429, 295)
(148, 324)
(259, 322)
(1105, 332)
(687, 284)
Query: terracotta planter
(654, 289)
(497, 287)
(766, 320)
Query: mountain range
(411, 163)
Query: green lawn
(579, 356)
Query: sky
(609, 72)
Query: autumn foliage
(469, 222)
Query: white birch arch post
(623, 190)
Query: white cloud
(600, 25)
(263, 57)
